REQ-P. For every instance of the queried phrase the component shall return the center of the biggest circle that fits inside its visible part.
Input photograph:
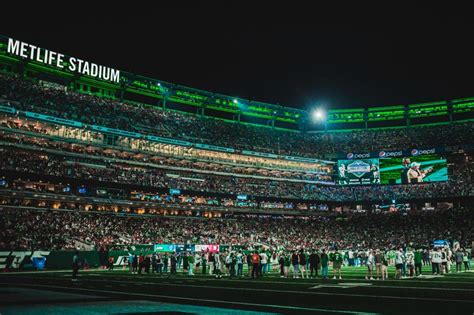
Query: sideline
(277, 291)
(274, 306)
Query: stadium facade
(123, 86)
(88, 158)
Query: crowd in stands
(178, 161)
(39, 162)
(28, 226)
(27, 95)
(114, 198)
(47, 230)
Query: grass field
(119, 291)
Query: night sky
(293, 56)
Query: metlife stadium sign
(60, 61)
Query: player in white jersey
(370, 265)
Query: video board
(413, 169)
(358, 172)
(392, 170)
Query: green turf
(272, 293)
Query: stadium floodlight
(235, 101)
(318, 114)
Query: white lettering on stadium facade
(385, 154)
(358, 155)
(422, 152)
(51, 58)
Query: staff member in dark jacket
(302, 258)
(294, 263)
(314, 263)
(75, 265)
(281, 261)
(173, 264)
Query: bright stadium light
(318, 114)
(235, 101)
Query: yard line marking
(428, 277)
(342, 285)
(201, 300)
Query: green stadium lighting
(235, 101)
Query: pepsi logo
(414, 152)
(350, 155)
(382, 154)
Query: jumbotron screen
(397, 170)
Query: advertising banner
(184, 248)
(390, 153)
(206, 248)
(54, 119)
(164, 248)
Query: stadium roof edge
(260, 110)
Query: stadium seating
(117, 171)
(25, 229)
(40, 159)
(28, 95)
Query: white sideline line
(331, 281)
(208, 278)
(257, 289)
(367, 284)
(52, 271)
(309, 282)
(199, 300)
(292, 291)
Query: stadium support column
(76, 85)
(406, 115)
(200, 111)
(122, 93)
(450, 111)
(366, 118)
(20, 68)
(123, 87)
(303, 124)
(73, 82)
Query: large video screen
(391, 171)
(358, 172)
(413, 170)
